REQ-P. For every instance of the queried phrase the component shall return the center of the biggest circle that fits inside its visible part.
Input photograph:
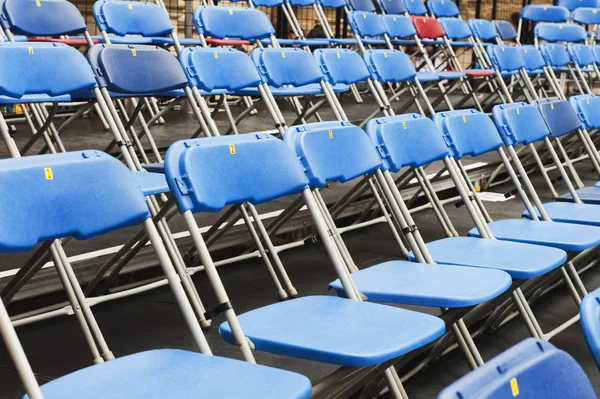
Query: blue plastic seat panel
(589, 195)
(590, 314)
(424, 284)
(565, 236)
(451, 75)
(343, 42)
(427, 77)
(338, 331)
(177, 374)
(404, 42)
(569, 212)
(152, 183)
(519, 260)
(300, 42)
(34, 98)
(130, 40)
(306, 90)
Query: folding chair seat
(505, 29)
(590, 314)
(587, 15)
(573, 5)
(415, 7)
(259, 168)
(531, 369)
(349, 155)
(443, 8)
(88, 194)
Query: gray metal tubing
(390, 219)
(436, 199)
(562, 171)
(229, 115)
(163, 111)
(136, 141)
(569, 163)
(217, 285)
(274, 226)
(471, 187)
(273, 110)
(36, 135)
(434, 204)
(17, 354)
(513, 176)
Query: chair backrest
(332, 151)
(362, 5)
(415, 7)
(483, 29)
(506, 58)
(559, 115)
(399, 26)
(505, 29)
(468, 132)
(443, 8)
(533, 57)
(586, 107)
(531, 369)
(544, 13)
(394, 7)
(590, 322)
(406, 140)
(332, 3)
(266, 3)
(207, 174)
(213, 69)
(556, 55)
(43, 68)
(366, 24)
(342, 66)
(286, 66)
(572, 5)
(587, 15)
(455, 28)
(128, 69)
(552, 33)
(79, 194)
(428, 28)
(389, 66)
(581, 54)
(131, 18)
(596, 51)
(519, 123)
(301, 3)
(41, 17)
(232, 23)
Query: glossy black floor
(152, 320)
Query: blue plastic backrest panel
(399, 26)
(587, 16)
(366, 24)
(267, 3)
(519, 123)
(532, 369)
(483, 29)
(332, 3)
(75, 194)
(219, 68)
(505, 29)
(590, 322)
(207, 174)
(332, 151)
(559, 115)
(456, 28)
(556, 55)
(443, 8)
(389, 65)
(361, 5)
(43, 68)
(128, 69)
(42, 18)
(506, 58)
(586, 106)
(302, 3)
(545, 13)
(131, 18)
(407, 140)
(533, 58)
(468, 132)
(342, 66)
(394, 7)
(286, 66)
(415, 7)
(596, 50)
(570, 33)
(581, 54)
(572, 5)
(232, 23)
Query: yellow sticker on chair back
(331, 134)
(130, 6)
(38, 3)
(552, 105)
(404, 125)
(133, 52)
(30, 50)
(216, 55)
(518, 111)
(48, 173)
(514, 387)
(339, 55)
(282, 54)
(231, 149)
(230, 12)
(464, 119)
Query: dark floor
(152, 320)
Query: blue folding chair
(531, 369)
(368, 28)
(88, 194)
(573, 5)
(443, 8)
(415, 7)
(587, 15)
(258, 168)
(392, 7)
(555, 33)
(506, 30)
(590, 314)
(542, 13)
